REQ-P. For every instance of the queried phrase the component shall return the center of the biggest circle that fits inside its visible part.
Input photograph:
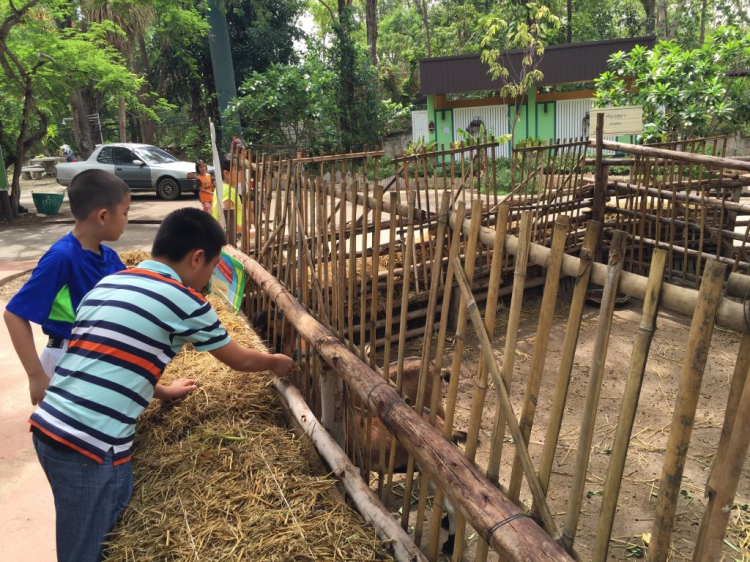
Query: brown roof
(561, 64)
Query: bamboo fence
(377, 262)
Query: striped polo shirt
(128, 328)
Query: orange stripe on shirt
(67, 443)
(119, 354)
(162, 278)
(122, 461)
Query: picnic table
(48, 163)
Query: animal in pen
(380, 436)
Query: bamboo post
(739, 378)
(437, 266)
(511, 338)
(568, 353)
(600, 188)
(541, 342)
(378, 215)
(509, 357)
(386, 490)
(686, 403)
(728, 465)
(342, 260)
(408, 253)
(515, 430)
(480, 383)
(455, 246)
(575, 496)
(352, 261)
(629, 405)
(373, 277)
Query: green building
(547, 111)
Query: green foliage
(293, 106)
(56, 55)
(357, 90)
(684, 92)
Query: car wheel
(168, 189)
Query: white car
(142, 166)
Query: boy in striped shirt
(128, 328)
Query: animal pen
(355, 269)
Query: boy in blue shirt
(99, 202)
(128, 328)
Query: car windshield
(153, 155)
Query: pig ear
(445, 374)
(367, 350)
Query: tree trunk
(147, 126)
(703, 21)
(570, 21)
(426, 26)
(372, 29)
(662, 25)
(123, 121)
(81, 126)
(648, 7)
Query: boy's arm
(23, 341)
(242, 358)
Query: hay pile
(132, 258)
(219, 477)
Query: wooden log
(738, 286)
(664, 220)
(632, 392)
(716, 478)
(686, 403)
(698, 254)
(364, 499)
(730, 314)
(690, 158)
(481, 503)
(624, 187)
(539, 353)
(568, 355)
(575, 496)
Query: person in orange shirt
(205, 184)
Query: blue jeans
(89, 498)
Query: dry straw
(218, 476)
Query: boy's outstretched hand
(177, 389)
(283, 365)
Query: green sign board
(3, 176)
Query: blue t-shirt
(61, 279)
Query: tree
(42, 65)
(684, 92)
(529, 37)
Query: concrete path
(27, 513)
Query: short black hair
(93, 190)
(186, 230)
(226, 165)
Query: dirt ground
(637, 499)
